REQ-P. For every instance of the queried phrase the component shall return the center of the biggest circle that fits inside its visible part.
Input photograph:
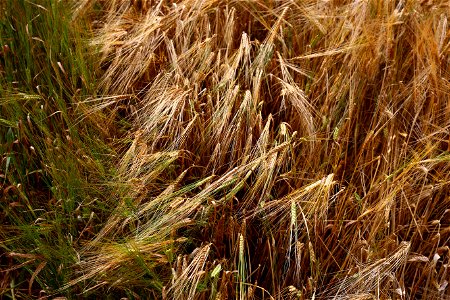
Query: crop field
(224, 149)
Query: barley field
(224, 149)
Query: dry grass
(322, 129)
(317, 135)
(273, 150)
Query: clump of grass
(260, 149)
(54, 169)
